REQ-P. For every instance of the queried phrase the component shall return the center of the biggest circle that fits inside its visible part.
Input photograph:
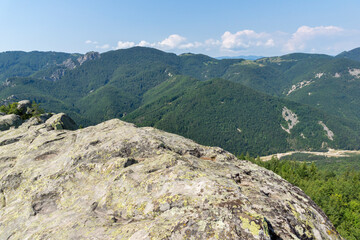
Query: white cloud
(91, 42)
(304, 34)
(212, 42)
(144, 44)
(105, 46)
(270, 43)
(246, 39)
(174, 41)
(320, 39)
(171, 42)
(121, 45)
(191, 45)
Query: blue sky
(212, 27)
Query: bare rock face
(88, 57)
(116, 181)
(69, 64)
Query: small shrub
(34, 110)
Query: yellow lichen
(168, 199)
(293, 210)
(250, 226)
(142, 206)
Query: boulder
(117, 181)
(61, 121)
(23, 106)
(37, 120)
(45, 116)
(8, 121)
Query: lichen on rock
(117, 181)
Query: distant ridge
(247, 57)
(353, 54)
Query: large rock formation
(88, 57)
(8, 121)
(116, 181)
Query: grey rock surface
(69, 64)
(8, 121)
(117, 181)
(88, 57)
(61, 121)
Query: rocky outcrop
(57, 74)
(25, 110)
(8, 83)
(8, 100)
(8, 121)
(329, 133)
(88, 56)
(290, 118)
(23, 106)
(61, 121)
(116, 181)
(69, 64)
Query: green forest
(337, 193)
(232, 103)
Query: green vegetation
(105, 88)
(226, 114)
(12, 108)
(277, 76)
(352, 54)
(113, 85)
(336, 82)
(338, 194)
(140, 85)
(23, 64)
(334, 164)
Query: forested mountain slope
(353, 54)
(23, 64)
(140, 84)
(239, 119)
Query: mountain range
(247, 57)
(291, 102)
